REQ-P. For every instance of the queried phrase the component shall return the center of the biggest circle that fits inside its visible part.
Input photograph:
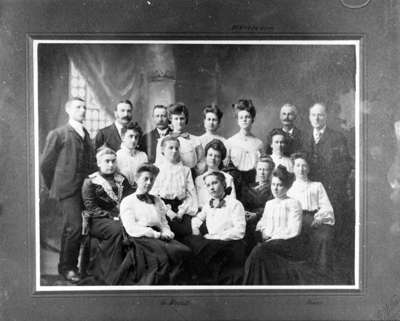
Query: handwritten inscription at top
(251, 28)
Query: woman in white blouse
(318, 216)
(279, 230)
(215, 152)
(175, 186)
(212, 119)
(155, 257)
(218, 230)
(244, 148)
(128, 156)
(277, 145)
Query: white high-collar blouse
(282, 219)
(313, 197)
(225, 223)
(175, 181)
(202, 194)
(284, 161)
(128, 163)
(138, 217)
(244, 151)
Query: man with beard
(148, 143)
(111, 135)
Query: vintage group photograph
(194, 164)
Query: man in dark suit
(111, 135)
(148, 143)
(66, 160)
(330, 161)
(288, 115)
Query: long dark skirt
(152, 262)
(277, 262)
(215, 262)
(181, 227)
(108, 253)
(240, 179)
(318, 243)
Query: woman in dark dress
(102, 193)
(217, 240)
(279, 230)
(254, 197)
(154, 257)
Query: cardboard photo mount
(377, 297)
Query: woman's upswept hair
(247, 105)
(272, 133)
(214, 110)
(301, 155)
(177, 109)
(284, 175)
(217, 145)
(132, 126)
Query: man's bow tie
(183, 135)
(149, 199)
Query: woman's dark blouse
(96, 200)
(254, 197)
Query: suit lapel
(324, 137)
(75, 134)
(115, 132)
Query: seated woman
(215, 152)
(175, 186)
(257, 193)
(243, 148)
(155, 257)
(276, 148)
(128, 156)
(102, 193)
(254, 196)
(218, 255)
(279, 230)
(318, 217)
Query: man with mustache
(111, 135)
(148, 143)
(288, 115)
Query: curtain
(117, 72)
(53, 84)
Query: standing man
(288, 115)
(330, 162)
(66, 161)
(111, 135)
(148, 143)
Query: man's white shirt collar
(77, 126)
(320, 131)
(119, 128)
(317, 133)
(290, 131)
(162, 132)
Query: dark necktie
(220, 203)
(183, 135)
(149, 199)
